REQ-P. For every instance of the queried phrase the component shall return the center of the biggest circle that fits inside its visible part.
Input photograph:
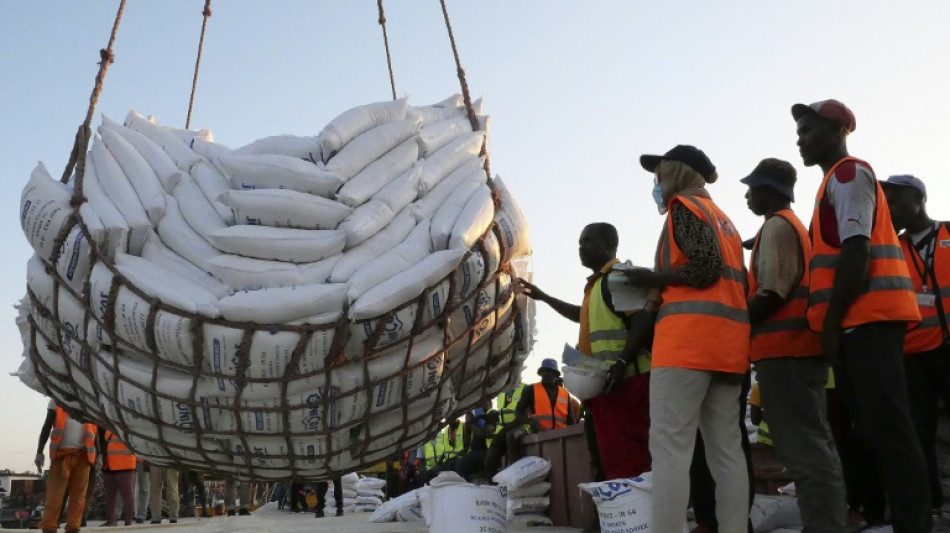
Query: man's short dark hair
(607, 232)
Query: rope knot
(106, 56)
(206, 12)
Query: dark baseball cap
(906, 180)
(831, 109)
(773, 173)
(684, 153)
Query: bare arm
(850, 276)
(47, 429)
(569, 311)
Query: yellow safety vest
(439, 449)
(507, 405)
(608, 332)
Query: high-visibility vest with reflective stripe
(118, 455)
(888, 292)
(608, 331)
(930, 333)
(507, 406)
(56, 437)
(708, 328)
(786, 332)
(762, 435)
(439, 449)
(546, 415)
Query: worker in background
(322, 489)
(442, 451)
(926, 246)
(542, 406)
(477, 435)
(861, 300)
(72, 453)
(142, 487)
(166, 476)
(242, 491)
(118, 476)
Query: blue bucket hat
(549, 364)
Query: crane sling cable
(77, 158)
(389, 59)
(206, 14)
(466, 96)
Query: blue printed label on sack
(312, 415)
(184, 417)
(205, 411)
(216, 361)
(24, 211)
(74, 259)
(381, 395)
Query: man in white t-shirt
(861, 300)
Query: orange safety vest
(56, 437)
(931, 333)
(704, 329)
(550, 416)
(785, 333)
(118, 455)
(888, 294)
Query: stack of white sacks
(523, 483)
(369, 494)
(527, 491)
(298, 305)
(350, 492)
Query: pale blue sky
(576, 90)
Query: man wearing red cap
(860, 300)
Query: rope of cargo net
(466, 95)
(206, 14)
(77, 159)
(389, 59)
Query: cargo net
(300, 306)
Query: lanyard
(922, 269)
(926, 266)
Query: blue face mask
(658, 198)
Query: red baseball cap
(832, 110)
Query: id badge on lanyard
(925, 298)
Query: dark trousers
(322, 487)
(121, 483)
(928, 381)
(702, 486)
(872, 379)
(193, 488)
(861, 479)
(297, 497)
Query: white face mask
(658, 198)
